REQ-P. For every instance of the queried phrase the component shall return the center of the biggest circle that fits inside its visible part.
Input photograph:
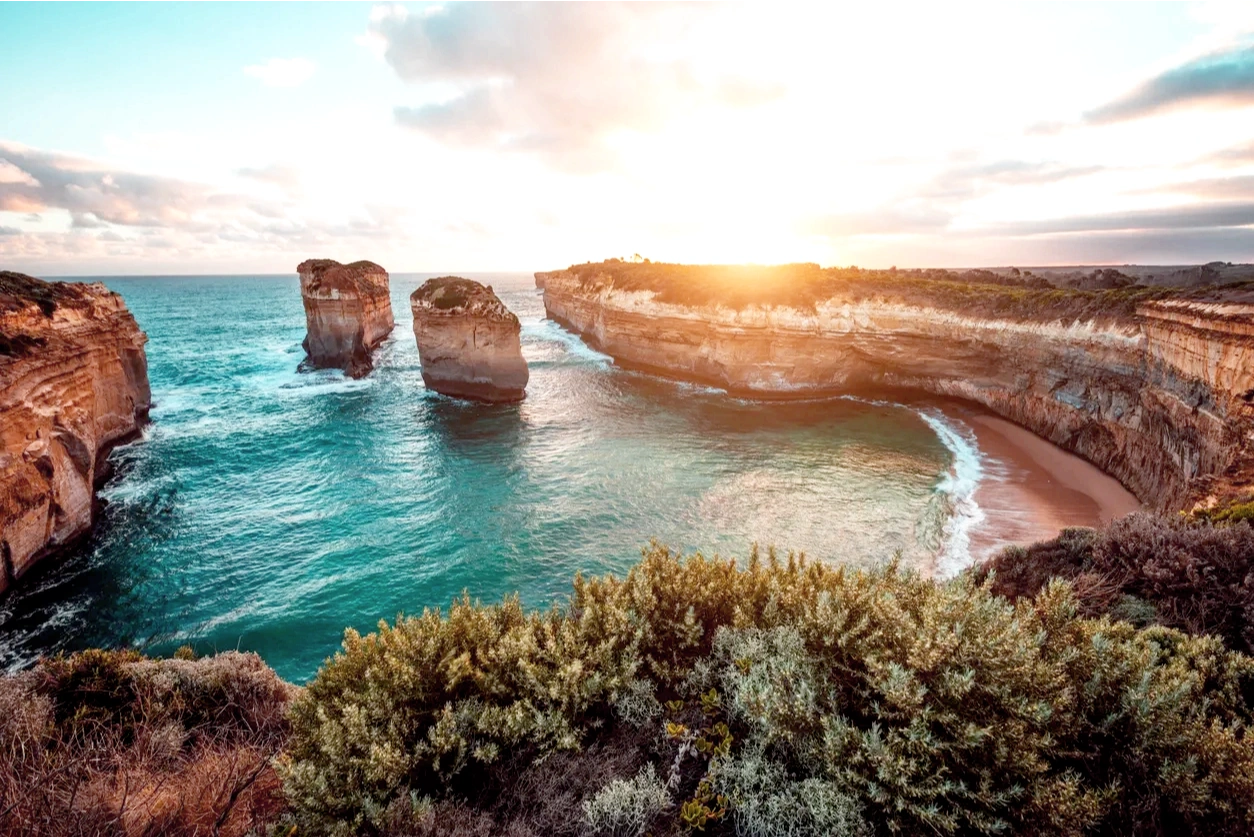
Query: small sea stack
(348, 312)
(468, 341)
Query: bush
(625, 808)
(854, 699)
(106, 742)
(1188, 574)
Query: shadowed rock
(348, 312)
(73, 384)
(468, 341)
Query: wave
(959, 484)
(548, 331)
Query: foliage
(105, 742)
(1193, 575)
(448, 292)
(625, 808)
(854, 699)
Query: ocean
(267, 510)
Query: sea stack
(73, 384)
(348, 312)
(468, 341)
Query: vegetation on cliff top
(696, 696)
(803, 286)
(449, 293)
(109, 743)
(1147, 569)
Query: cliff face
(1160, 399)
(468, 341)
(348, 312)
(73, 384)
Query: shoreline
(1032, 489)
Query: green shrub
(927, 707)
(625, 808)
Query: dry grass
(105, 743)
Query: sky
(156, 138)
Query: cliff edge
(1153, 385)
(348, 313)
(73, 384)
(468, 341)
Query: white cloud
(282, 72)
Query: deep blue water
(267, 509)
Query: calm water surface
(267, 509)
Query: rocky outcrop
(348, 312)
(1160, 398)
(468, 341)
(73, 384)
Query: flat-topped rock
(468, 341)
(348, 312)
(73, 384)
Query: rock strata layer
(348, 313)
(468, 341)
(73, 384)
(1161, 398)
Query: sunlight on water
(267, 509)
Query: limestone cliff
(73, 384)
(468, 341)
(348, 312)
(1157, 394)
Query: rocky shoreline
(73, 385)
(1158, 396)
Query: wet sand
(1032, 489)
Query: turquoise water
(267, 509)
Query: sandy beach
(1032, 488)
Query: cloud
(282, 72)
(1224, 78)
(552, 78)
(1235, 156)
(95, 195)
(115, 213)
(1241, 187)
(286, 178)
(907, 218)
(1193, 216)
(966, 180)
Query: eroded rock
(468, 341)
(348, 313)
(73, 384)
(1161, 398)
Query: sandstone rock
(1162, 399)
(468, 341)
(348, 312)
(73, 384)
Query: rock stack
(348, 312)
(468, 341)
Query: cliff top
(453, 295)
(328, 274)
(27, 306)
(17, 291)
(1112, 295)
